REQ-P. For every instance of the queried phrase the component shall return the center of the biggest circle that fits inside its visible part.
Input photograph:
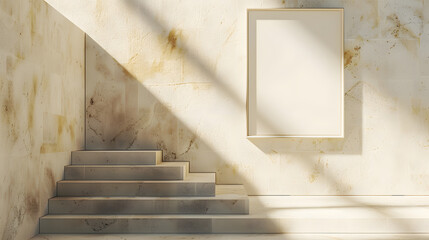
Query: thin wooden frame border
(342, 75)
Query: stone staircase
(135, 192)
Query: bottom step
(293, 214)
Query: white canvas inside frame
(295, 73)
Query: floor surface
(236, 237)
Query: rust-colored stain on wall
(32, 102)
(314, 175)
(351, 57)
(32, 205)
(9, 111)
(399, 29)
(172, 38)
(71, 131)
(168, 56)
(63, 136)
(51, 177)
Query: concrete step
(269, 214)
(194, 185)
(146, 157)
(229, 199)
(163, 171)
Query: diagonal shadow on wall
(119, 100)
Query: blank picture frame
(295, 78)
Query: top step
(127, 157)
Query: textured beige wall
(41, 109)
(172, 75)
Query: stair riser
(166, 189)
(124, 226)
(123, 173)
(116, 158)
(231, 225)
(156, 206)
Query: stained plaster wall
(172, 75)
(41, 109)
